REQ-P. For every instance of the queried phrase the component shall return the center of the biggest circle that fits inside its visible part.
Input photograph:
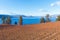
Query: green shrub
(15, 23)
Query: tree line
(42, 20)
(8, 20)
(48, 20)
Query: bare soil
(44, 31)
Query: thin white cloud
(5, 12)
(57, 3)
(43, 10)
(52, 4)
(40, 9)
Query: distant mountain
(56, 15)
(6, 16)
(17, 16)
(3, 15)
(12, 16)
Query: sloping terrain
(44, 31)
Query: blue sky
(30, 7)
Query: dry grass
(44, 31)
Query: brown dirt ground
(44, 31)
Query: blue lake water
(28, 20)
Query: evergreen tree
(42, 20)
(3, 19)
(47, 18)
(20, 20)
(8, 21)
(58, 18)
